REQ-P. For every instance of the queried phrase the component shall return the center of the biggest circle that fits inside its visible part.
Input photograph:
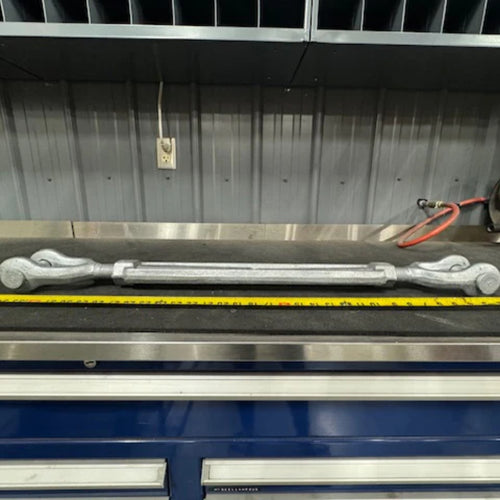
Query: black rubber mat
(469, 322)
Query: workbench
(70, 358)
(452, 322)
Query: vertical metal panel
(226, 144)
(45, 151)
(287, 142)
(104, 137)
(14, 200)
(257, 153)
(347, 143)
(317, 141)
(404, 152)
(244, 154)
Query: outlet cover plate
(165, 156)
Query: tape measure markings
(219, 301)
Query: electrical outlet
(165, 152)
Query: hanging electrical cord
(160, 117)
(448, 208)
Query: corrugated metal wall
(86, 151)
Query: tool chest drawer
(239, 429)
(330, 478)
(250, 387)
(218, 473)
(98, 478)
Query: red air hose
(454, 208)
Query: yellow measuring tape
(218, 301)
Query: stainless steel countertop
(231, 334)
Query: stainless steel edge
(266, 232)
(248, 387)
(404, 38)
(213, 231)
(35, 229)
(351, 471)
(142, 346)
(61, 30)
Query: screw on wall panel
(90, 364)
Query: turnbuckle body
(50, 267)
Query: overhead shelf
(417, 44)
(177, 41)
(407, 16)
(491, 24)
(369, 43)
(59, 11)
(151, 12)
(464, 16)
(244, 13)
(288, 14)
(383, 15)
(24, 11)
(423, 16)
(109, 11)
(194, 12)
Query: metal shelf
(409, 16)
(143, 40)
(491, 24)
(282, 13)
(244, 13)
(58, 11)
(279, 14)
(464, 16)
(109, 11)
(424, 16)
(151, 12)
(363, 43)
(32, 11)
(195, 12)
(383, 15)
(412, 44)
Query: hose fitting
(436, 204)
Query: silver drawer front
(82, 474)
(252, 387)
(350, 471)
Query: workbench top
(425, 322)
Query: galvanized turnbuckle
(50, 267)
